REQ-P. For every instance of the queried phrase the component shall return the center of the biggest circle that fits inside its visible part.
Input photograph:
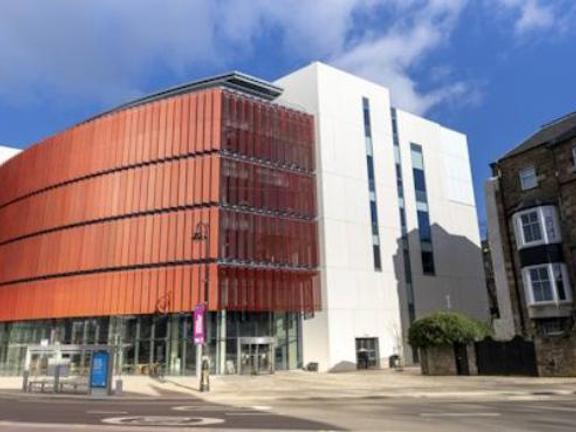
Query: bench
(43, 383)
(73, 384)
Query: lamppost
(202, 233)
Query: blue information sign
(99, 371)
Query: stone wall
(441, 360)
(438, 360)
(556, 355)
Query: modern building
(531, 208)
(314, 219)
(398, 228)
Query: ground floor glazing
(237, 342)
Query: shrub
(446, 328)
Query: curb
(215, 397)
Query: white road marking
(553, 408)
(215, 408)
(478, 414)
(59, 427)
(203, 408)
(107, 412)
(163, 421)
(247, 413)
(261, 407)
(529, 397)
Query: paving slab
(301, 385)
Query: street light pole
(202, 233)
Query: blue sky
(493, 69)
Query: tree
(446, 328)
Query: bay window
(536, 226)
(547, 283)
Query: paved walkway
(299, 385)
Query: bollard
(205, 375)
(119, 387)
(25, 378)
(56, 387)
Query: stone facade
(550, 325)
(556, 355)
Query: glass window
(403, 223)
(369, 147)
(551, 224)
(417, 156)
(424, 226)
(541, 285)
(428, 263)
(559, 281)
(366, 110)
(528, 179)
(552, 326)
(377, 258)
(374, 213)
(370, 164)
(538, 225)
(371, 184)
(419, 180)
(547, 283)
(531, 229)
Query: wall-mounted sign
(199, 324)
(99, 369)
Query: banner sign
(99, 370)
(199, 330)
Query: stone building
(531, 208)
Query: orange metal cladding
(98, 220)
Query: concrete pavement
(300, 385)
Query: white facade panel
(359, 301)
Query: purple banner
(199, 333)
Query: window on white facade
(528, 179)
(547, 283)
(537, 226)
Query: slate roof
(551, 133)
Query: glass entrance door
(255, 356)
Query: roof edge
(234, 80)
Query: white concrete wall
(357, 300)
(7, 152)
(459, 283)
(504, 327)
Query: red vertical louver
(98, 220)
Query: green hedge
(446, 328)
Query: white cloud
(388, 57)
(103, 50)
(530, 16)
(71, 50)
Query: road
(537, 413)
